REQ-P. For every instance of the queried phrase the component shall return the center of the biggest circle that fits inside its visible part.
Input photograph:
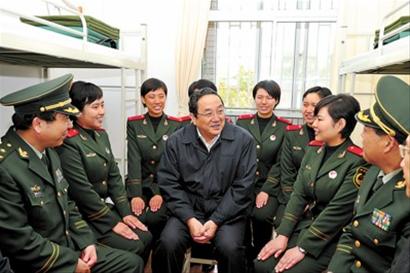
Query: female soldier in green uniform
(294, 145)
(268, 131)
(147, 135)
(324, 193)
(95, 181)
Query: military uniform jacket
(379, 228)
(145, 147)
(268, 145)
(90, 168)
(215, 185)
(323, 197)
(293, 149)
(40, 228)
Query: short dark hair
(322, 92)
(270, 86)
(199, 84)
(193, 100)
(341, 106)
(82, 93)
(23, 121)
(152, 84)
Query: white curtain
(190, 46)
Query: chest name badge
(141, 136)
(332, 174)
(272, 137)
(59, 175)
(164, 137)
(381, 219)
(297, 148)
(91, 155)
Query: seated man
(380, 228)
(40, 228)
(206, 176)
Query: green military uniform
(92, 172)
(321, 204)
(268, 145)
(145, 147)
(41, 229)
(293, 150)
(381, 223)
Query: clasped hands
(201, 233)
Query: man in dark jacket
(206, 176)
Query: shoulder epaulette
(228, 119)
(137, 117)
(246, 116)
(185, 118)
(355, 150)
(173, 118)
(293, 127)
(5, 150)
(72, 132)
(316, 143)
(284, 120)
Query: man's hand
(291, 257)
(82, 267)
(124, 230)
(197, 230)
(261, 199)
(89, 255)
(133, 222)
(137, 205)
(210, 229)
(273, 247)
(156, 202)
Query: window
(289, 41)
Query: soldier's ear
(37, 124)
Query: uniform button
(67, 233)
(258, 146)
(152, 162)
(105, 164)
(311, 184)
(257, 160)
(2, 150)
(65, 189)
(357, 243)
(355, 223)
(358, 264)
(375, 241)
(8, 145)
(104, 182)
(41, 202)
(257, 173)
(154, 147)
(59, 194)
(64, 212)
(151, 175)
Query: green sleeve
(294, 209)
(271, 185)
(116, 189)
(94, 210)
(288, 170)
(343, 258)
(337, 214)
(21, 241)
(133, 181)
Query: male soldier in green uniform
(381, 223)
(40, 228)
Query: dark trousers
(175, 239)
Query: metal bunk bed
(24, 44)
(391, 58)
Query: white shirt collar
(210, 144)
(386, 177)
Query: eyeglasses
(403, 149)
(210, 114)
